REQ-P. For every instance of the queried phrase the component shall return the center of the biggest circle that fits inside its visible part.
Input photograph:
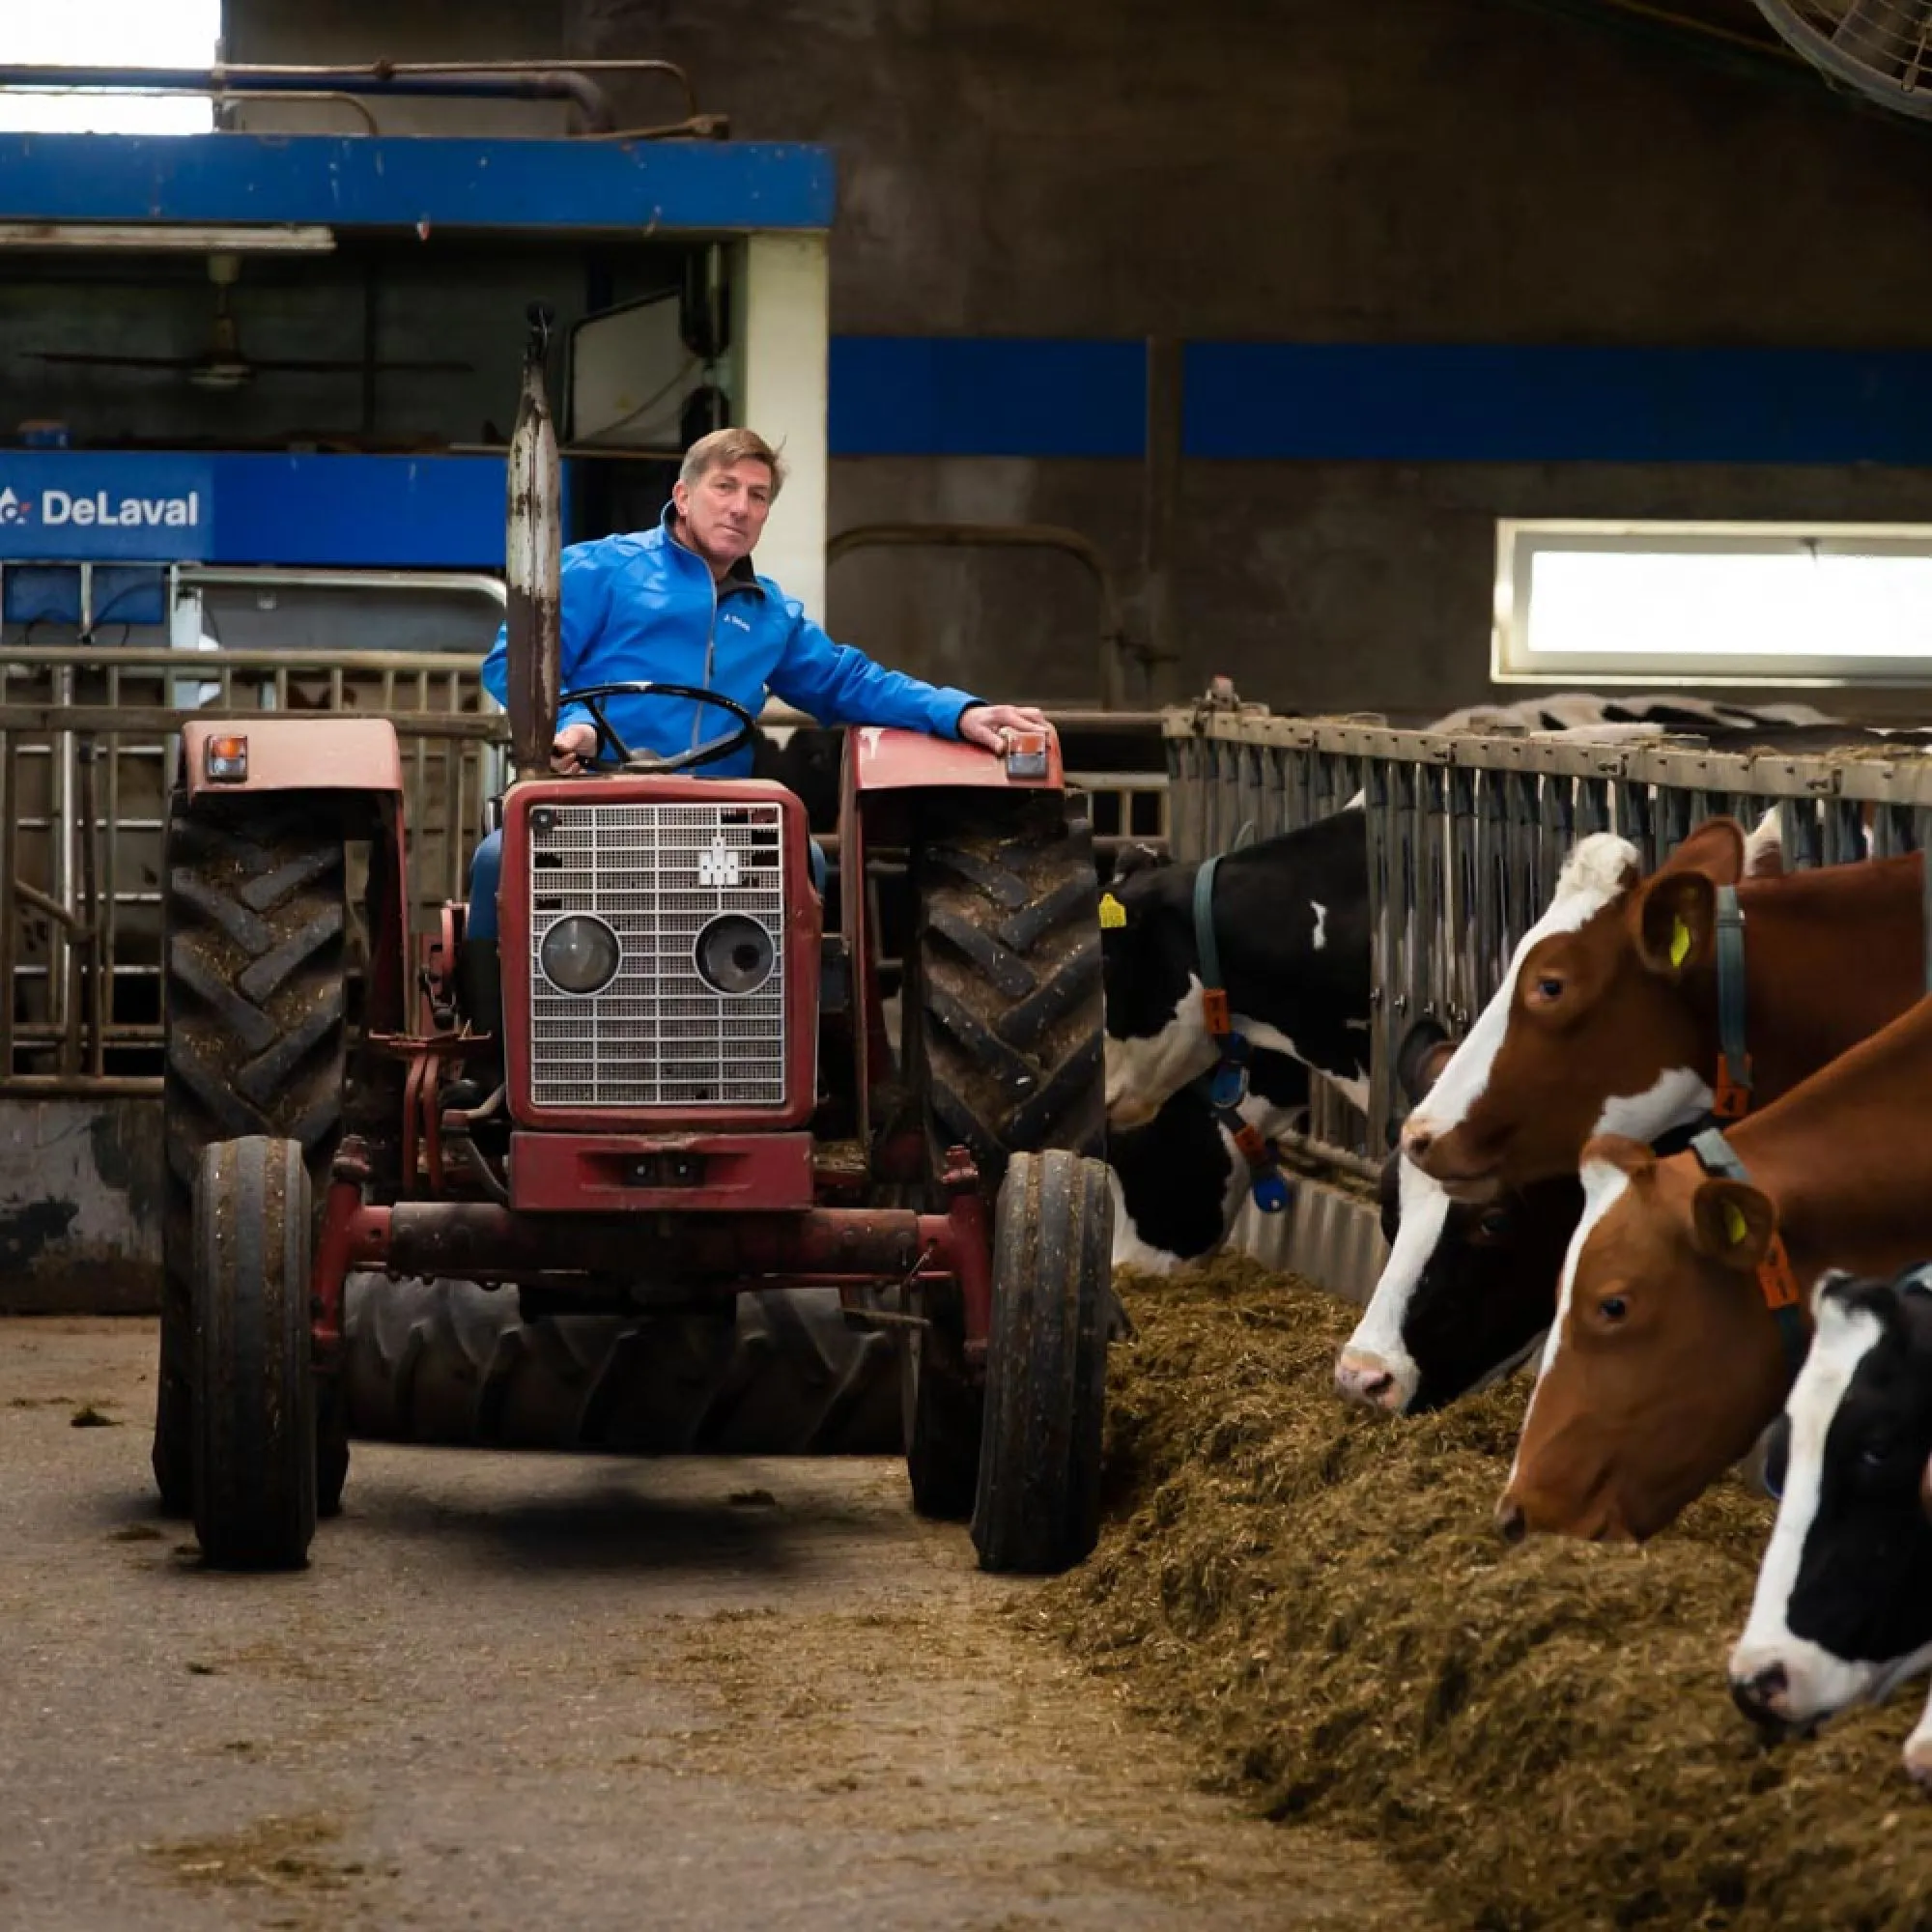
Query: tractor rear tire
(1009, 1030)
(254, 1384)
(449, 1362)
(1038, 1509)
(1005, 1045)
(255, 1009)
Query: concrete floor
(517, 1690)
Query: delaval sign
(62, 506)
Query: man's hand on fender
(571, 746)
(987, 724)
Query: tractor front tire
(254, 1382)
(1038, 1509)
(1009, 1027)
(255, 1010)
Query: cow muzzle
(1440, 1155)
(1367, 1381)
(1763, 1695)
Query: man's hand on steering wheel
(987, 724)
(570, 748)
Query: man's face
(724, 511)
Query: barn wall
(1462, 171)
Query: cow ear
(1135, 858)
(1425, 1049)
(1674, 923)
(1714, 849)
(1764, 849)
(1733, 1223)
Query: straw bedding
(1539, 1736)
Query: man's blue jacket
(642, 606)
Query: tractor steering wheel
(612, 754)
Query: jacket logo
(732, 618)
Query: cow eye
(1495, 1222)
(1613, 1308)
(1545, 989)
(1875, 1454)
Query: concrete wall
(1425, 170)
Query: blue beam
(402, 182)
(1398, 401)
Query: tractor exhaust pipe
(533, 565)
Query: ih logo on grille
(717, 866)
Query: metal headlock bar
(1467, 834)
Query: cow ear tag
(1112, 914)
(1735, 1226)
(1680, 946)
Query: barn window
(1644, 602)
(130, 33)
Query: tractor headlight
(735, 954)
(580, 955)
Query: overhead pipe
(449, 80)
(1114, 640)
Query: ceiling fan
(1880, 49)
(222, 365)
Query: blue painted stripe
(1450, 402)
(1384, 403)
(904, 395)
(401, 181)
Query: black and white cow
(1180, 1182)
(1292, 926)
(1843, 1609)
(1585, 711)
(1482, 1285)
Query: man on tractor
(681, 604)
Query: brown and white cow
(1606, 1022)
(1665, 1360)
(1444, 1265)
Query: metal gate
(87, 745)
(1466, 836)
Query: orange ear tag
(1775, 1281)
(1732, 1100)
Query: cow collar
(1775, 1280)
(1732, 1097)
(1227, 1084)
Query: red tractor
(698, 1092)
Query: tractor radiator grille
(658, 1034)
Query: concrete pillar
(780, 332)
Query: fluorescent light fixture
(168, 238)
(1713, 603)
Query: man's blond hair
(724, 447)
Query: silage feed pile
(1539, 1736)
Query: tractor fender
(881, 758)
(297, 753)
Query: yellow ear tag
(1679, 943)
(1112, 914)
(1734, 1223)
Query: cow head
(1157, 1037)
(1843, 1608)
(1663, 1364)
(1467, 1289)
(1590, 1032)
